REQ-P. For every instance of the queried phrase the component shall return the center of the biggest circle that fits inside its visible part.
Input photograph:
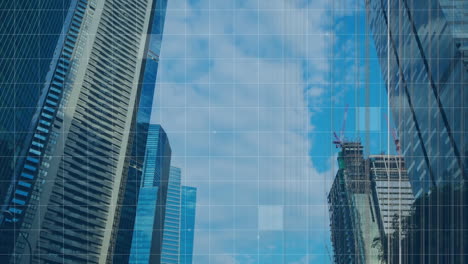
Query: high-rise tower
(179, 221)
(187, 223)
(353, 220)
(392, 191)
(147, 237)
(423, 51)
(65, 194)
(171, 233)
(31, 38)
(130, 188)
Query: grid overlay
(261, 101)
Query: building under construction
(365, 195)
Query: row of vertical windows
(100, 96)
(31, 166)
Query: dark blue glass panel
(187, 224)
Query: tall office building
(65, 195)
(392, 191)
(168, 239)
(353, 221)
(423, 52)
(29, 47)
(147, 238)
(179, 221)
(28, 50)
(187, 223)
(139, 133)
(171, 233)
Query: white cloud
(233, 95)
(315, 92)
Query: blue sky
(249, 97)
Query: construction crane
(339, 140)
(396, 141)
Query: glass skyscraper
(168, 239)
(146, 243)
(172, 224)
(75, 165)
(31, 38)
(179, 221)
(187, 223)
(423, 49)
(130, 190)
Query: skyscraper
(29, 51)
(187, 223)
(130, 190)
(171, 233)
(392, 191)
(64, 199)
(147, 239)
(342, 235)
(422, 47)
(168, 239)
(179, 221)
(353, 220)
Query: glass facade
(64, 195)
(172, 232)
(423, 58)
(179, 221)
(32, 80)
(30, 38)
(141, 245)
(140, 134)
(422, 48)
(157, 158)
(147, 235)
(187, 223)
(28, 43)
